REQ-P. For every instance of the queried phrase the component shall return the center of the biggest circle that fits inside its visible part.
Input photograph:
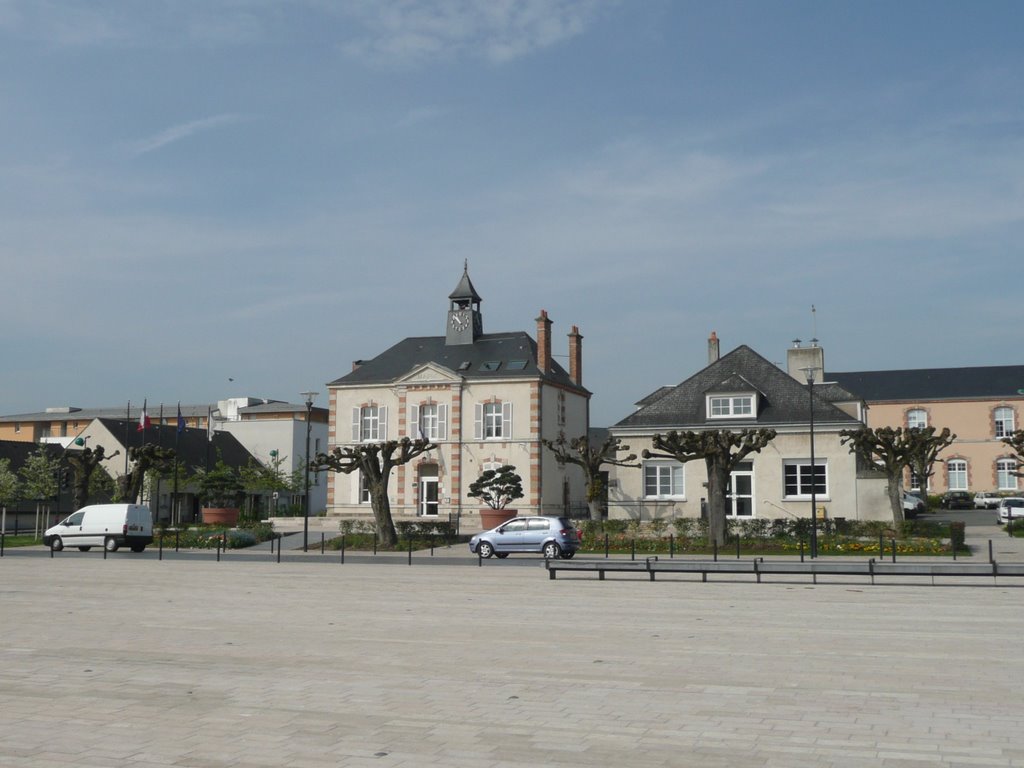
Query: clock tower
(465, 323)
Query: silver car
(552, 536)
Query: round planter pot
(492, 518)
(220, 515)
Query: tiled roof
(192, 446)
(467, 360)
(783, 400)
(988, 382)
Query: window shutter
(442, 422)
(478, 421)
(506, 421)
(414, 422)
(382, 412)
(355, 425)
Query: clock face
(460, 321)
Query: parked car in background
(552, 536)
(986, 500)
(1010, 507)
(957, 500)
(912, 505)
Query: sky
(218, 198)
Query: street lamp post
(809, 373)
(305, 504)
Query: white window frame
(369, 423)
(960, 472)
(1006, 474)
(492, 420)
(669, 479)
(732, 406)
(917, 418)
(802, 469)
(428, 421)
(363, 493)
(1003, 418)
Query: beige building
(744, 390)
(486, 399)
(980, 405)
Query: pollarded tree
(144, 458)
(1016, 441)
(923, 449)
(374, 461)
(893, 450)
(9, 490)
(83, 463)
(591, 458)
(722, 450)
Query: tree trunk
(386, 533)
(598, 511)
(896, 502)
(718, 479)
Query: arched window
(957, 474)
(1003, 417)
(917, 418)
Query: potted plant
(219, 489)
(497, 488)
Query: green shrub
(240, 538)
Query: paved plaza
(131, 661)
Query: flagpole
(159, 442)
(175, 514)
(127, 426)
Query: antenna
(814, 324)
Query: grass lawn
(21, 540)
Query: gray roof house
(743, 390)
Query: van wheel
(111, 545)
(138, 547)
(57, 544)
(84, 549)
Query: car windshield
(1014, 503)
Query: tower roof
(465, 290)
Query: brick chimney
(544, 342)
(576, 356)
(712, 348)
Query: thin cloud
(182, 131)
(402, 33)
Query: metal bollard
(2, 537)
(737, 546)
(321, 543)
(105, 550)
(479, 558)
(892, 543)
(161, 548)
(224, 537)
(218, 550)
(715, 549)
(632, 549)
(279, 547)
(176, 539)
(990, 558)
(51, 552)
(801, 550)
(343, 549)
(410, 550)
(671, 546)
(375, 543)
(881, 545)
(606, 546)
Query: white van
(103, 525)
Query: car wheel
(568, 555)
(84, 549)
(57, 544)
(552, 550)
(138, 547)
(485, 549)
(111, 544)
(501, 555)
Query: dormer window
(730, 406)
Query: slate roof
(191, 446)
(783, 400)
(986, 382)
(88, 414)
(465, 360)
(18, 451)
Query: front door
(428, 497)
(739, 496)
